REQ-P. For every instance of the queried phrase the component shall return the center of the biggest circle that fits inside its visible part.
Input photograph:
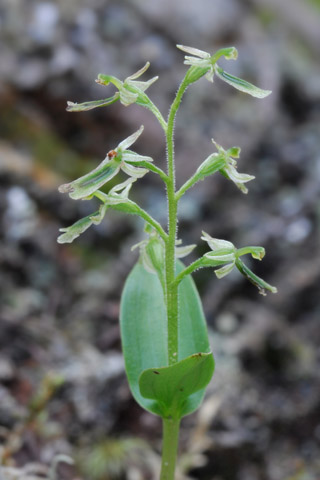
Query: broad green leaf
(172, 386)
(144, 330)
(241, 84)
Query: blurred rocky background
(63, 392)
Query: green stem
(144, 101)
(156, 225)
(151, 167)
(170, 425)
(103, 197)
(155, 169)
(172, 288)
(191, 268)
(189, 183)
(158, 115)
(169, 448)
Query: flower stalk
(170, 261)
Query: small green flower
(130, 89)
(224, 162)
(230, 168)
(117, 195)
(118, 159)
(202, 59)
(226, 254)
(204, 64)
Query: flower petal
(194, 51)
(229, 53)
(220, 256)
(132, 171)
(139, 72)
(126, 97)
(124, 186)
(223, 271)
(133, 157)
(209, 75)
(237, 177)
(97, 217)
(216, 243)
(218, 147)
(185, 250)
(146, 261)
(257, 252)
(143, 85)
(233, 152)
(107, 79)
(127, 142)
(197, 62)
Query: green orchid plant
(165, 342)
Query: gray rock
(44, 21)
(7, 370)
